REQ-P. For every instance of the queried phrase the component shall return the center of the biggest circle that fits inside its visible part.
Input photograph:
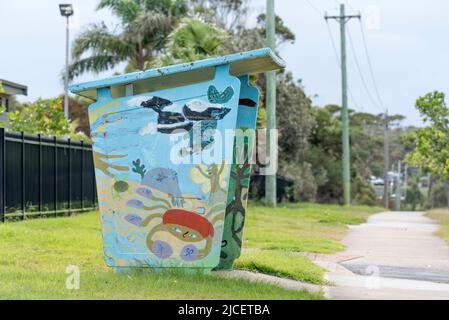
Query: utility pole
(270, 180)
(398, 188)
(386, 160)
(343, 19)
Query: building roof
(251, 62)
(12, 88)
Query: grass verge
(34, 256)
(442, 216)
(282, 264)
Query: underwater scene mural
(172, 149)
(157, 212)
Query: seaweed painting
(102, 165)
(212, 180)
(236, 208)
(139, 168)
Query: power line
(333, 43)
(314, 7)
(371, 69)
(337, 2)
(359, 69)
(349, 5)
(320, 12)
(371, 66)
(331, 37)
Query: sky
(406, 40)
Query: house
(8, 90)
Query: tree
(283, 33)
(2, 112)
(295, 121)
(413, 194)
(44, 117)
(227, 14)
(78, 108)
(325, 151)
(232, 15)
(193, 40)
(144, 25)
(431, 151)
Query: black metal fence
(42, 176)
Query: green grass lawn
(34, 255)
(274, 239)
(442, 216)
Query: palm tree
(193, 40)
(144, 24)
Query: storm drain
(421, 274)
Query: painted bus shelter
(172, 176)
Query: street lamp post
(66, 11)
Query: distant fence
(44, 176)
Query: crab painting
(192, 229)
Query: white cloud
(197, 105)
(151, 128)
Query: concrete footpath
(395, 255)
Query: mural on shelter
(160, 206)
(154, 212)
